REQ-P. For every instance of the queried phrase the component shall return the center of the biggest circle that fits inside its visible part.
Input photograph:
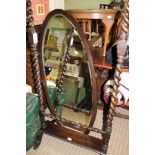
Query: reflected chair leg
(89, 29)
(84, 25)
(106, 37)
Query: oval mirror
(67, 69)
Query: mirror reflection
(67, 71)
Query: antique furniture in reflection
(107, 16)
(84, 73)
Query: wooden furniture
(103, 68)
(55, 125)
(102, 62)
(72, 29)
(107, 16)
(121, 50)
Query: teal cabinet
(33, 121)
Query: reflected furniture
(68, 129)
(107, 16)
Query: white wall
(56, 4)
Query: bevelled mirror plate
(68, 69)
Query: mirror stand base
(75, 137)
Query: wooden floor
(118, 145)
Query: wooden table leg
(84, 25)
(108, 24)
(97, 28)
(89, 29)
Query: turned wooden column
(97, 28)
(84, 21)
(121, 49)
(108, 22)
(89, 29)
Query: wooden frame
(93, 78)
(55, 127)
(60, 131)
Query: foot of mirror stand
(104, 148)
(38, 139)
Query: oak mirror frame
(67, 70)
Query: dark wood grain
(83, 140)
(88, 55)
(107, 16)
(29, 74)
(102, 62)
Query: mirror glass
(67, 70)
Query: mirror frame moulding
(88, 55)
